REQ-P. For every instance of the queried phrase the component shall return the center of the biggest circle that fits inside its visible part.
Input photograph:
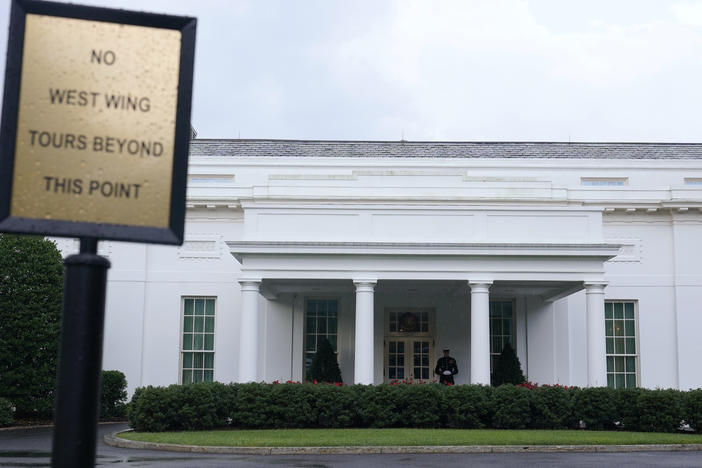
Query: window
(620, 334)
(197, 352)
(501, 328)
(604, 181)
(321, 321)
(693, 181)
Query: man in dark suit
(446, 368)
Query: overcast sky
(522, 70)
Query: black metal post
(80, 358)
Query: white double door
(409, 358)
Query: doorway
(409, 344)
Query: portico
(471, 274)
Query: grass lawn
(379, 437)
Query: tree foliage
(325, 367)
(31, 284)
(507, 369)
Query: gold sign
(96, 123)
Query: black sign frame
(173, 234)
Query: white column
(596, 345)
(248, 331)
(480, 332)
(363, 362)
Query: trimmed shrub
(627, 412)
(693, 409)
(419, 405)
(595, 406)
(6, 416)
(295, 405)
(508, 369)
(113, 394)
(269, 406)
(180, 407)
(467, 406)
(378, 405)
(324, 367)
(551, 408)
(336, 406)
(659, 410)
(512, 407)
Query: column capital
(595, 287)
(249, 284)
(365, 285)
(479, 286)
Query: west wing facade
(585, 257)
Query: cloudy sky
(474, 70)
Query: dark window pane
(188, 307)
(630, 346)
(209, 361)
(610, 345)
(401, 347)
(209, 342)
(197, 360)
(610, 380)
(619, 379)
(209, 324)
(208, 376)
(209, 307)
(400, 373)
(629, 328)
(631, 380)
(392, 360)
(609, 328)
(197, 376)
(332, 341)
(187, 341)
(199, 307)
(322, 326)
(496, 326)
(417, 360)
(629, 310)
(610, 364)
(391, 373)
(187, 376)
(619, 328)
(619, 364)
(199, 324)
(331, 325)
(618, 310)
(425, 373)
(631, 364)
(608, 310)
(197, 342)
(392, 347)
(619, 346)
(187, 360)
(188, 324)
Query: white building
(585, 256)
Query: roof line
(439, 142)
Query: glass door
(408, 359)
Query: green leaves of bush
(295, 405)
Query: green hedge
(113, 394)
(294, 405)
(6, 416)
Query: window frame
(182, 351)
(513, 331)
(636, 356)
(304, 329)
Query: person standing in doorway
(446, 368)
